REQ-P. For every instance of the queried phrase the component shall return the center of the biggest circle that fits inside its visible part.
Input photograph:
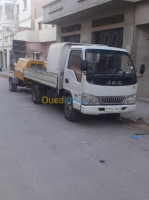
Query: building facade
(7, 29)
(24, 24)
(115, 23)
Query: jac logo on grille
(114, 83)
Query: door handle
(66, 80)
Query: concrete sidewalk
(6, 72)
(141, 112)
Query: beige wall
(142, 57)
(142, 13)
(129, 29)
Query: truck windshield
(110, 63)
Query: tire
(12, 86)
(70, 113)
(36, 94)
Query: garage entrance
(112, 37)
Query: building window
(36, 56)
(112, 37)
(76, 27)
(71, 38)
(9, 11)
(25, 4)
(39, 26)
(75, 63)
(108, 21)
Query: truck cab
(99, 80)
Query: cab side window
(74, 64)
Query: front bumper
(98, 110)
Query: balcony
(28, 36)
(7, 19)
(60, 11)
(46, 35)
(55, 5)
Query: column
(129, 30)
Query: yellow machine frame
(22, 63)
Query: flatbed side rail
(45, 78)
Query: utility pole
(3, 34)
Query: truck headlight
(90, 100)
(131, 99)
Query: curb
(143, 100)
(4, 75)
(146, 121)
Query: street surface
(45, 157)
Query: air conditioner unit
(8, 29)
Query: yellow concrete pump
(17, 79)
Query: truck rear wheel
(36, 94)
(70, 113)
(12, 86)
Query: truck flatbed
(42, 77)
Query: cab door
(73, 77)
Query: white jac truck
(92, 79)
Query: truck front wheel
(70, 113)
(12, 86)
(36, 94)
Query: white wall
(26, 24)
(28, 36)
(47, 35)
(48, 32)
(24, 13)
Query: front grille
(112, 100)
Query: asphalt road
(45, 157)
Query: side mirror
(142, 69)
(84, 65)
